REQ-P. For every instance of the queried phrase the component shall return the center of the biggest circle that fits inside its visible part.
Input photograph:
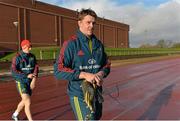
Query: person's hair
(85, 12)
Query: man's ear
(79, 23)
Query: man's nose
(92, 25)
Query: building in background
(48, 25)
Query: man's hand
(100, 74)
(33, 83)
(99, 78)
(87, 76)
(30, 76)
(93, 78)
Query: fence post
(40, 52)
(54, 54)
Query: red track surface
(143, 91)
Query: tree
(176, 45)
(164, 43)
(146, 46)
(161, 43)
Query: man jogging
(25, 72)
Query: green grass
(40, 53)
(7, 57)
(45, 53)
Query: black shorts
(24, 87)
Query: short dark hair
(85, 12)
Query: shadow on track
(161, 99)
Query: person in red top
(25, 72)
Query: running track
(147, 91)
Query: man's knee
(26, 99)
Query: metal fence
(126, 52)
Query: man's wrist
(82, 75)
(101, 73)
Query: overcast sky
(149, 20)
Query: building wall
(8, 33)
(49, 25)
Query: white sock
(15, 113)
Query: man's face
(86, 25)
(26, 48)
